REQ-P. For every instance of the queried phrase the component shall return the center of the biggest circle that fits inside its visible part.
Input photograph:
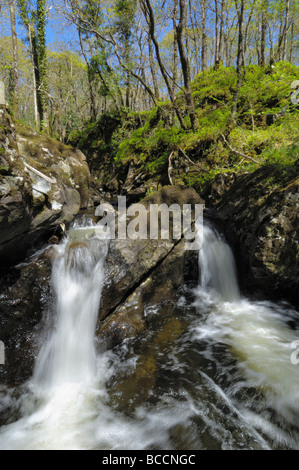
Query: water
(214, 372)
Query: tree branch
(237, 151)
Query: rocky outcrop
(141, 278)
(25, 299)
(43, 184)
(144, 275)
(260, 217)
(132, 295)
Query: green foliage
(265, 128)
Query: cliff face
(43, 184)
(260, 217)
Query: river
(219, 372)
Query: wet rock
(155, 292)
(215, 189)
(259, 215)
(25, 297)
(143, 273)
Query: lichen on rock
(43, 184)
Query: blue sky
(56, 30)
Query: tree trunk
(175, 45)
(221, 34)
(204, 35)
(287, 25)
(90, 88)
(185, 66)
(262, 62)
(15, 67)
(216, 32)
(151, 23)
(152, 66)
(240, 52)
(36, 115)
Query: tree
(185, 65)
(15, 66)
(35, 22)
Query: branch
(170, 168)
(193, 163)
(237, 151)
(38, 173)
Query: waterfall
(225, 380)
(256, 332)
(217, 266)
(77, 278)
(68, 384)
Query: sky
(57, 32)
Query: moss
(263, 130)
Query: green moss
(263, 130)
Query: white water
(67, 383)
(67, 405)
(256, 332)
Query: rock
(259, 215)
(25, 297)
(141, 275)
(43, 184)
(155, 292)
(215, 189)
(173, 195)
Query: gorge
(140, 343)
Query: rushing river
(216, 373)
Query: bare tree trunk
(240, 52)
(287, 25)
(36, 115)
(216, 32)
(262, 61)
(152, 66)
(148, 11)
(185, 66)
(91, 93)
(284, 26)
(175, 45)
(204, 35)
(15, 68)
(195, 36)
(221, 34)
(292, 41)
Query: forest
(65, 63)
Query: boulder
(155, 293)
(43, 185)
(142, 275)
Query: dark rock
(259, 216)
(25, 296)
(215, 189)
(155, 292)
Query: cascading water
(257, 333)
(69, 354)
(65, 383)
(217, 266)
(214, 373)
